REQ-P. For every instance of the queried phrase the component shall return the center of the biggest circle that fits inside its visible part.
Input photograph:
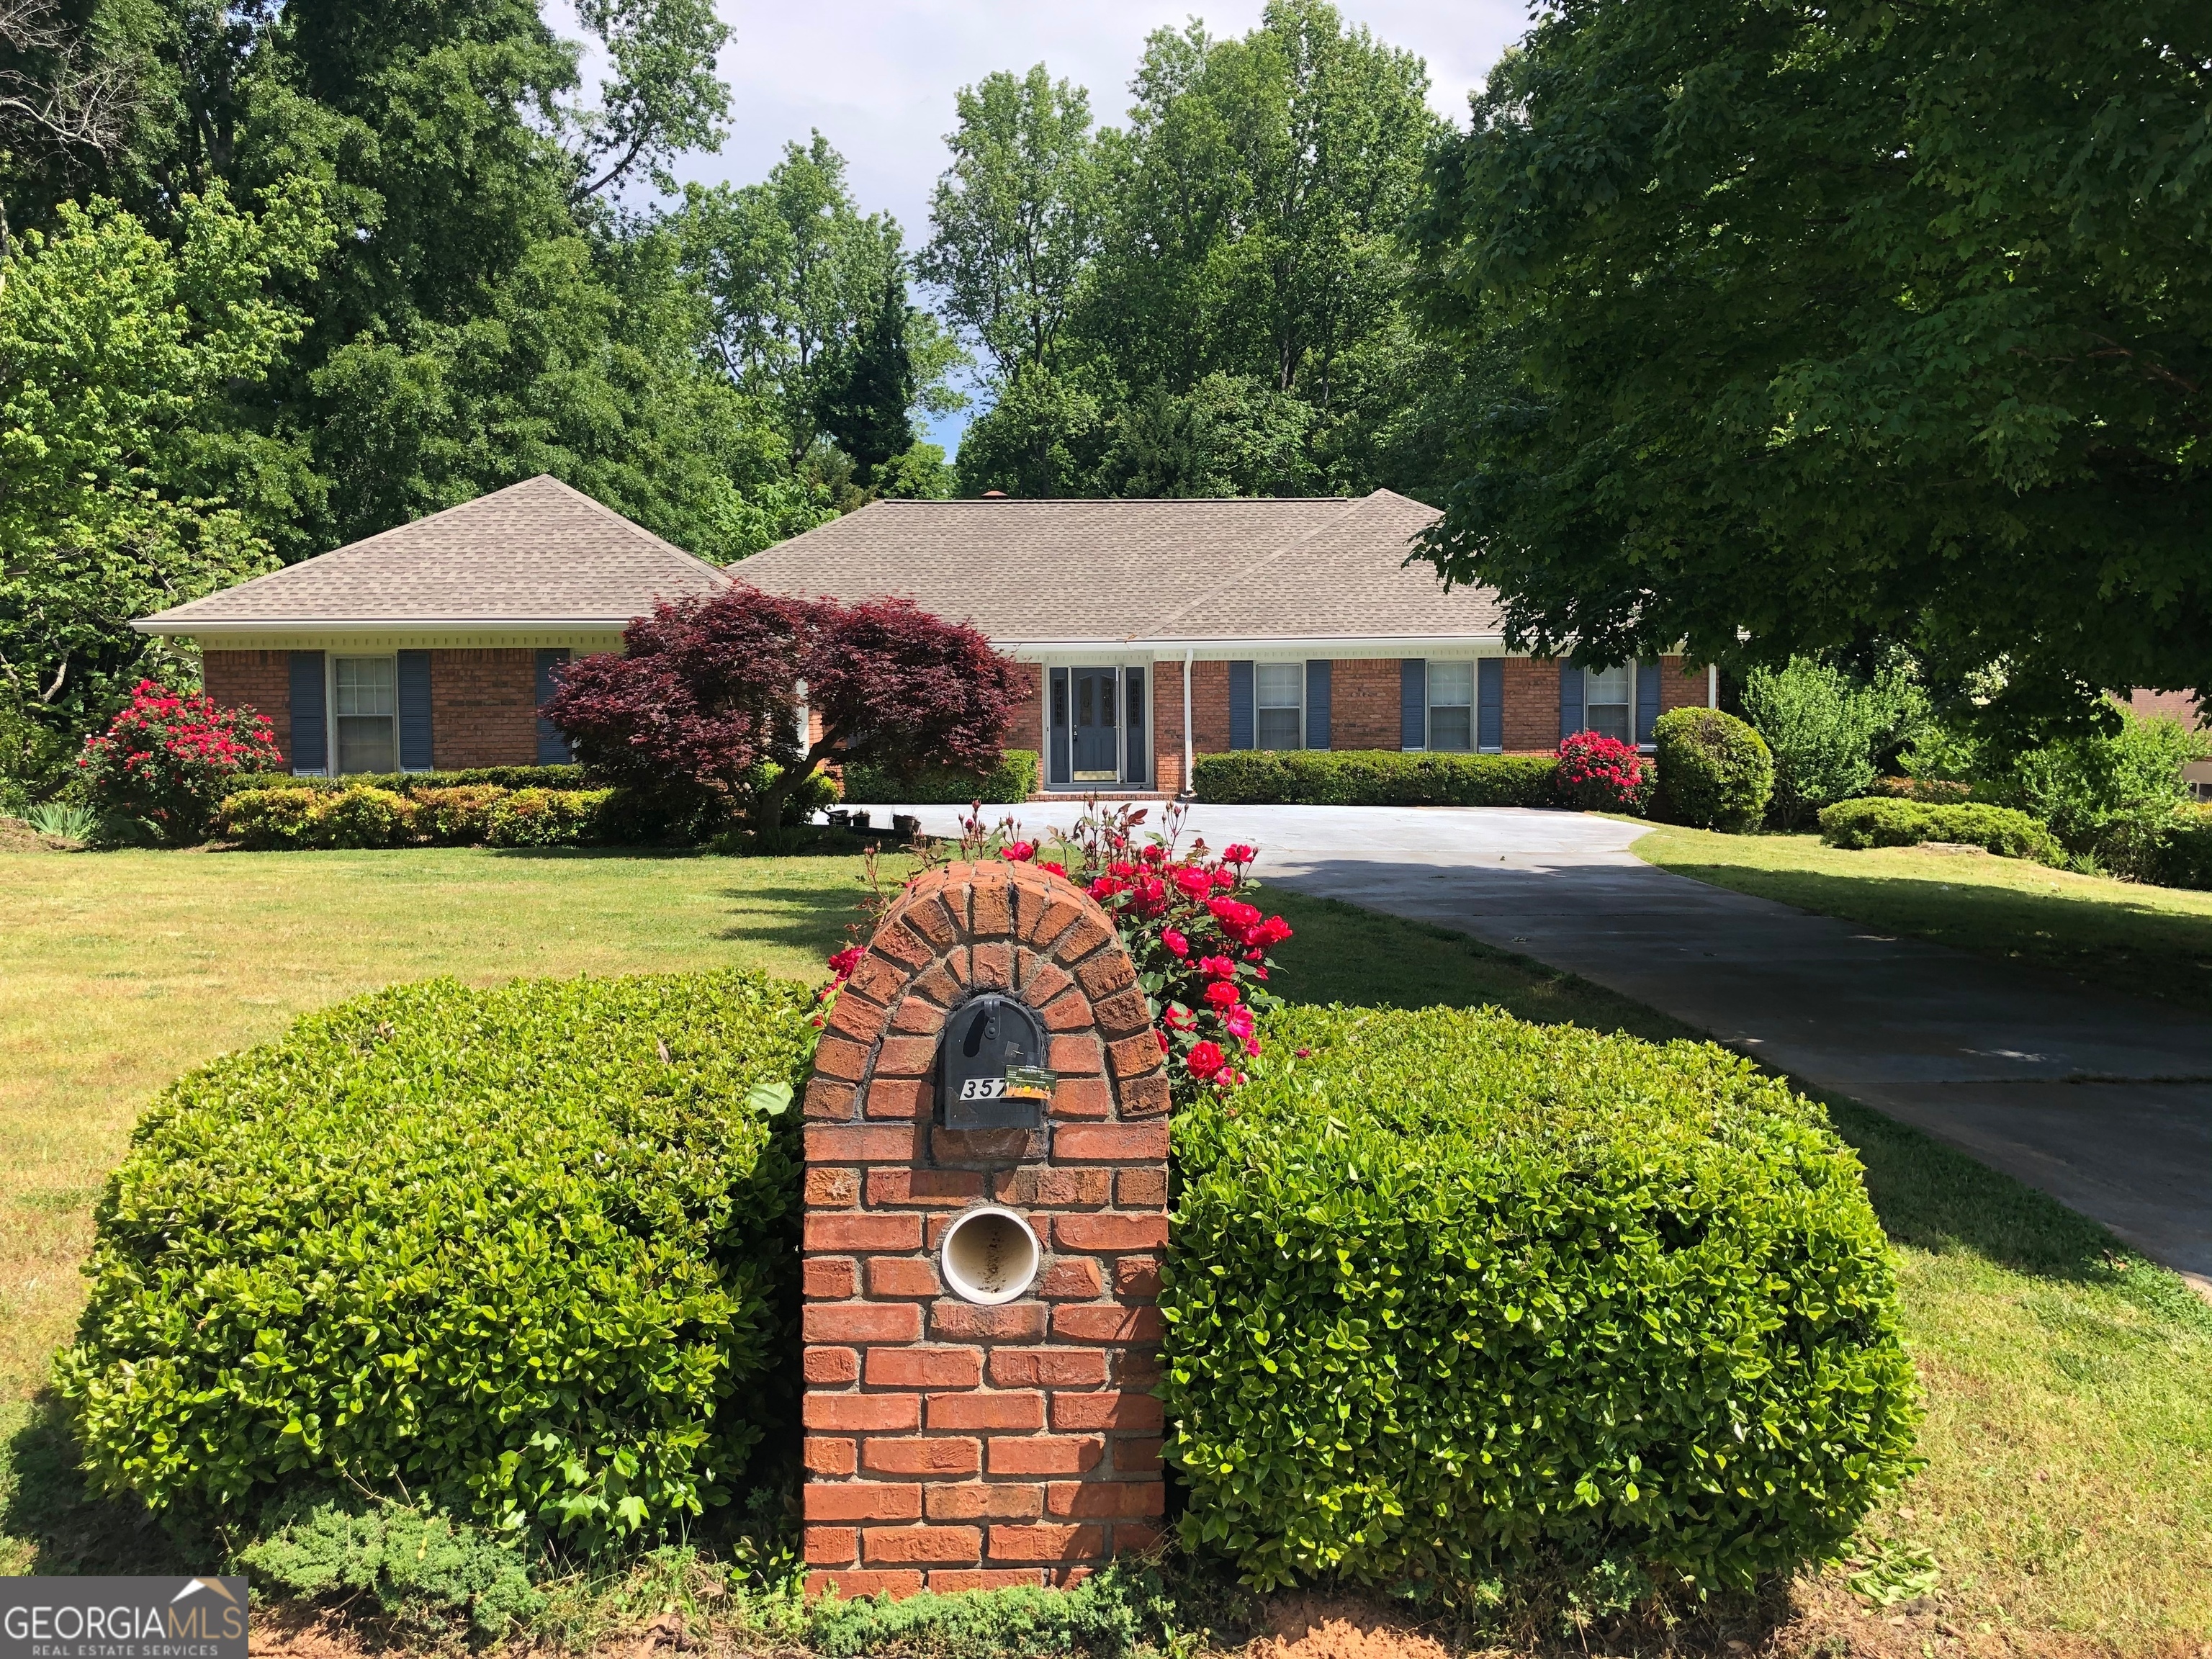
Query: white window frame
(331, 707)
(1627, 703)
(1297, 672)
(1430, 705)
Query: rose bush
(163, 760)
(1598, 773)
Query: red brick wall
(483, 708)
(1530, 705)
(1363, 704)
(958, 1445)
(1027, 727)
(1681, 686)
(260, 680)
(1167, 724)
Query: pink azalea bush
(1602, 775)
(164, 758)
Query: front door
(1097, 727)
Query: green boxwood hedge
(463, 815)
(1374, 777)
(527, 1252)
(1012, 780)
(1452, 1295)
(1874, 822)
(500, 777)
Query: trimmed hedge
(1374, 777)
(1876, 822)
(363, 816)
(528, 1253)
(1449, 1294)
(2183, 856)
(1012, 780)
(500, 777)
(1714, 772)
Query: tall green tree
(1015, 217)
(128, 473)
(869, 406)
(1818, 324)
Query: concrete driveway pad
(2103, 1101)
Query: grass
(121, 970)
(2068, 1488)
(2147, 941)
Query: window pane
(366, 685)
(1451, 728)
(1279, 728)
(1608, 719)
(366, 743)
(1279, 684)
(1451, 685)
(1605, 684)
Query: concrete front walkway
(2103, 1101)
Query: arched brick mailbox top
(949, 1444)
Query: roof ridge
(595, 504)
(1351, 505)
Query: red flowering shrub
(164, 758)
(1602, 775)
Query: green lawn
(2068, 1492)
(2148, 941)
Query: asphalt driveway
(2103, 1101)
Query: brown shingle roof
(536, 552)
(1032, 572)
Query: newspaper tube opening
(989, 1255)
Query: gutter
(396, 625)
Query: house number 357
(983, 1088)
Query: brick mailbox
(981, 1274)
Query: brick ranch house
(1151, 631)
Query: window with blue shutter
(1570, 700)
(1240, 705)
(1490, 705)
(1647, 700)
(310, 731)
(414, 685)
(1413, 702)
(552, 746)
(1316, 705)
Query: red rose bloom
(1237, 853)
(1222, 994)
(1204, 1060)
(1178, 942)
(1020, 852)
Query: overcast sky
(877, 76)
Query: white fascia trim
(1339, 645)
(398, 625)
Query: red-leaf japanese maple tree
(706, 690)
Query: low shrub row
(528, 1253)
(1877, 822)
(1451, 1294)
(461, 814)
(1012, 780)
(498, 777)
(1374, 777)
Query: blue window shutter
(1413, 702)
(413, 674)
(311, 732)
(1316, 705)
(1134, 724)
(1061, 763)
(552, 747)
(1570, 700)
(1490, 705)
(1647, 699)
(1240, 705)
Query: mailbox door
(982, 1039)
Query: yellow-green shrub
(527, 1252)
(545, 817)
(1451, 1295)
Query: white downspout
(1712, 685)
(1188, 785)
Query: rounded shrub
(1874, 822)
(526, 1253)
(1452, 1296)
(1714, 772)
(545, 817)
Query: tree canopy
(1797, 327)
